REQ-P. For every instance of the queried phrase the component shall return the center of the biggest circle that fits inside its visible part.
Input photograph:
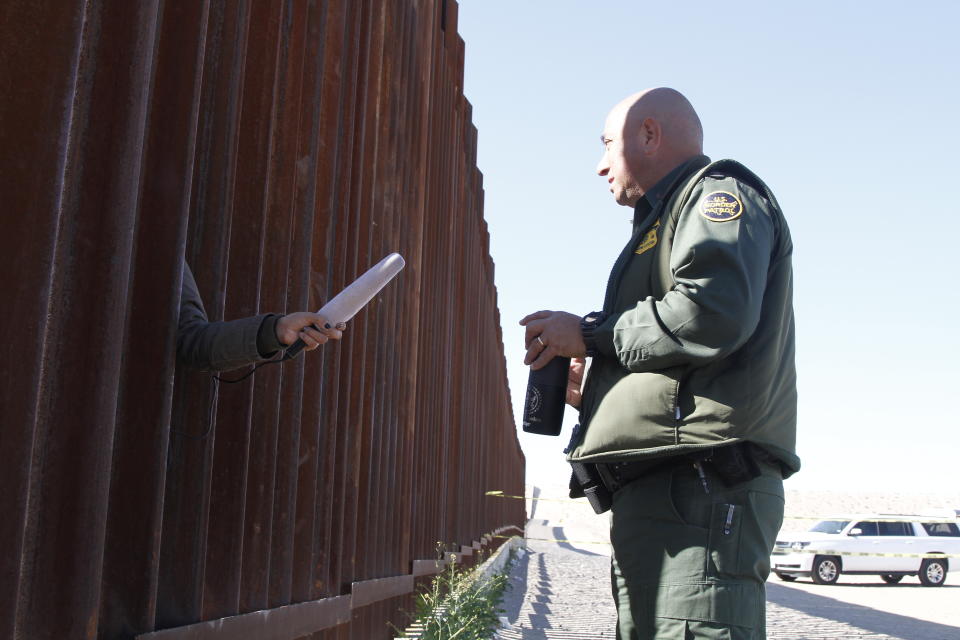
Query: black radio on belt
(593, 486)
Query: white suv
(891, 546)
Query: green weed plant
(458, 605)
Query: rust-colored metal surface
(281, 147)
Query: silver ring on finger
(542, 343)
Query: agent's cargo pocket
(723, 552)
(742, 535)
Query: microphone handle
(294, 349)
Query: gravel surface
(560, 589)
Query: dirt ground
(563, 532)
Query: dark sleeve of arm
(720, 270)
(219, 346)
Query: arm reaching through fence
(225, 345)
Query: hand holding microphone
(346, 304)
(312, 328)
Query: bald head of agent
(645, 136)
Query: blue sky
(849, 111)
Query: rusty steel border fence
(281, 147)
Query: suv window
(941, 529)
(895, 529)
(830, 526)
(866, 528)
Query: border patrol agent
(688, 410)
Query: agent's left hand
(552, 333)
(575, 382)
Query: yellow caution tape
(606, 542)
(501, 494)
(931, 519)
(877, 554)
(814, 551)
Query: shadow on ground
(559, 535)
(873, 620)
(539, 598)
(541, 531)
(513, 598)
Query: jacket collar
(665, 186)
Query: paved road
(864, 607)
(558, 593)
(561, 591)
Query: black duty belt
(733, 464)
(617, 475)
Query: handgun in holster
(592, 485)
(734, 463)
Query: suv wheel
(933, 572)
(826, 569)
(891, 579)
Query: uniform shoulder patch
(720, 206)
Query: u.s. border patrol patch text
(720, 206)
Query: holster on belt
(734, 463)
(598, 495)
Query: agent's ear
(650, 135)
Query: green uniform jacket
(698, 348)
(220, 346)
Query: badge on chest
(649, 240)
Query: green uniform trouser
(692, 564)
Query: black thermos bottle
(546, 395)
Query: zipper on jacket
(728, 524)
(676, 412)
(616, 272)
(698, 465)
